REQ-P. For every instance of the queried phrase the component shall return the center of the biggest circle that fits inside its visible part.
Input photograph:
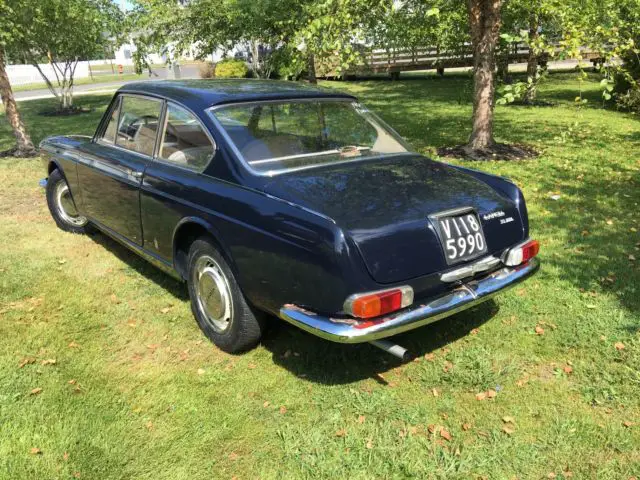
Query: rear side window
(138, 125)
(184, 140)
(112, 127)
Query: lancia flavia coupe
(291, 200)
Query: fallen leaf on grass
(429, 357)
(369, 444)
(481, 396)
(36, 391)
(73, 345)
(474, 331)
(539, 330)
(165, 310)
(26, 361)
(448, 366)
(266, 404)
(627, 424)
(49, 361)
(283, 410)
(508, 419)
(445, 434)
(72, 381)
(491, 393)
(466, 426)
(568, 369)
(361, 419)
(35, 451)
(508, 429)
(341, 433)
(65, 456)
(619, 346)
(201, 371)
(435, 392)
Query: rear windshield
(275, 137)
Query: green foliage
(62, 31)
(231, 68)
(629, 100)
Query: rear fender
(506, 188)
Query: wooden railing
(395, 60)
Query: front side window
(277, 137)
(138, 125)
(184, 141)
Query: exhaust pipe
(392, 348)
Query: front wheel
(62, 207)
(218, 305)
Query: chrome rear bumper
(350, 330)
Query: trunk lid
(384, 206)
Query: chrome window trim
(104, 123)
(157, 158)
(99, 138)
(272, 173)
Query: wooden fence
(392, 61)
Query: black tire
(245, 325)
(63, 210)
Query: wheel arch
(186, 232)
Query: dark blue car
(292, 200)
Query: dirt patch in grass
(499, 151)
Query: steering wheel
(143, 120)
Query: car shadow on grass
(321, 361)
(315, 359)
(143, 267)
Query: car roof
(200, 94)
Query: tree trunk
(484, 19)
(532, 61)
(311, 67)
(24, 146)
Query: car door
(173, 181)
(111, 171)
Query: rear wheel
(62, 207)
(218, 305)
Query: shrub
(630, 100)
(207, 70)
(231, 68)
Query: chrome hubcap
(213, 293)
(65, 207)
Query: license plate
(461, 236)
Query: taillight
(374, 304)
(522, 253)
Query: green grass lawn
(125, 77)
(136, 391)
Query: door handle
(135, 174)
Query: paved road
(187, 71)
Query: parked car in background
(292, 200)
